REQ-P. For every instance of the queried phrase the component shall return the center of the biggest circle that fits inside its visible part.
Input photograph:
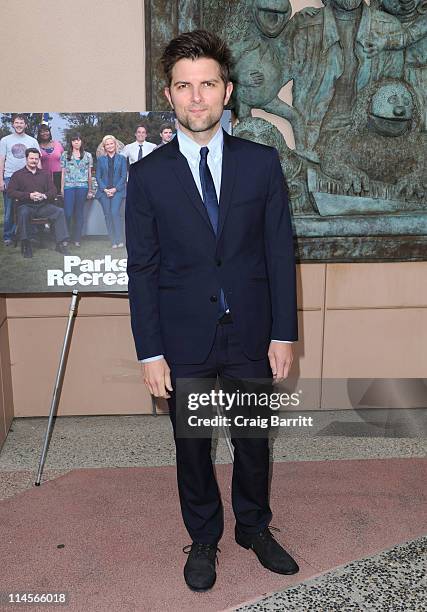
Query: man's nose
(399, 110)
(197, 95)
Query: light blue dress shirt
(191, 151)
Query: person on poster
(33, 188)
(51, 151)
(212, 289)
(111, 173)
(12, 158)
(166, 134)
(76, 184)
(139, 148)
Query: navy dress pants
(199, 495)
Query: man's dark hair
(19, 116)
(165, 126)
(141, 125)
(31, 150)
(195, 45)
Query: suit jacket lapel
(228, 176)
(185, 177)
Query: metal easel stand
(58, 382)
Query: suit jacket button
(218, 262)
(213, 298)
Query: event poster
(95, 258)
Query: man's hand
(374, 45)
(36, 196)
(281, 356)
(2, 186)
(156, 375)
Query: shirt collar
(191, 150)
(30, 172)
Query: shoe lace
(201, 550)
(266, 534)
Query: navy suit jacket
(119, 175)
(177, 266)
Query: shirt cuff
(283, 341)
(148, 359)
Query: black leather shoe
(199, 571)
(61, 248)
(269, 552)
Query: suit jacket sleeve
(100, 174)
(122, 173)
(143, 268)
(280, 258)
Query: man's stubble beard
(198, 125)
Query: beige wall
(102, 374)
(79, 55)
(355, 319)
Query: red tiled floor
(122, 532)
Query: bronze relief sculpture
(358, 173)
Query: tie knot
(204, 153)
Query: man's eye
(208, 84)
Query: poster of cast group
(63, 229)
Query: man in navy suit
(212, 289)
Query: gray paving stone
(393, 581)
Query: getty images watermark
(248, 413)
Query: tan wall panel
(380, 343)
(72, 56)
(50, 306)
(307, 366)
(6, 393)
(375, 285)
(308, 349)
(311, 286)
(102, 375)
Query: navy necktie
(140, 152)
(210, 200)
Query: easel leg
(58, 382)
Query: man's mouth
(392, 119)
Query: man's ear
(228, 92)
(168, 96)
